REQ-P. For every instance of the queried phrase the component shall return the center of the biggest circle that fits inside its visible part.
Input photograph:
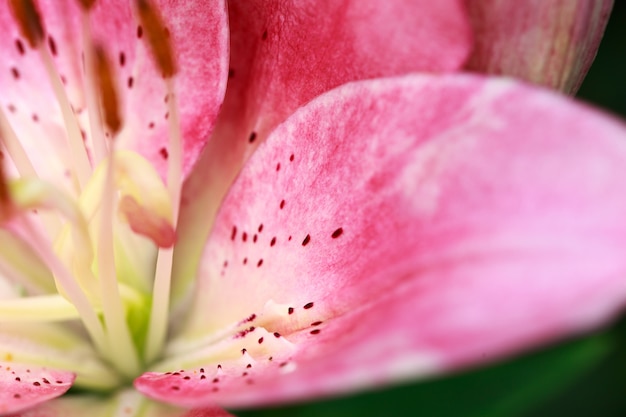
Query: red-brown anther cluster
(29, 21)
(107, 90)
(157, 37)
(5, 197)
(87, 4)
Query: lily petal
(284, 54)
(547, 42)
(126, 403)
(22, 386)
(399, 227)
(200, 39)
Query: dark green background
(578, 378)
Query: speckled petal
(284, 54)
(23, 386)
(126, 403)
(400, 227)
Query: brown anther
(5, 196)
(108, 93)
(87, 4)
(28, 19)
(157, 38)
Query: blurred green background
(578, 378)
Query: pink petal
(208, 412)
(284, 54)
(22, 386)
(125, 402)
(200, 41)
(548, 42)
(419, 224)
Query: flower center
(102, 251)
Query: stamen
(87, 4)
(175, 159)
(29, 21)
(108, 93)
(123, 353)
(5, 196)
(159, 43)
(43, 249)
(14, 147)
(43, 308)
(157, 329)
(78, 153)
(24, 167)
(157, 38)
(22, 267)
(98, 142)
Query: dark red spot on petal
(53, 45)
(315, 331)
(252, 137)
(306, 240)
(308, 305)
(337, 233)
(290, 310)
(164, 154)
(282, 204)
(20, 47)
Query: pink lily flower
(387, 224)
